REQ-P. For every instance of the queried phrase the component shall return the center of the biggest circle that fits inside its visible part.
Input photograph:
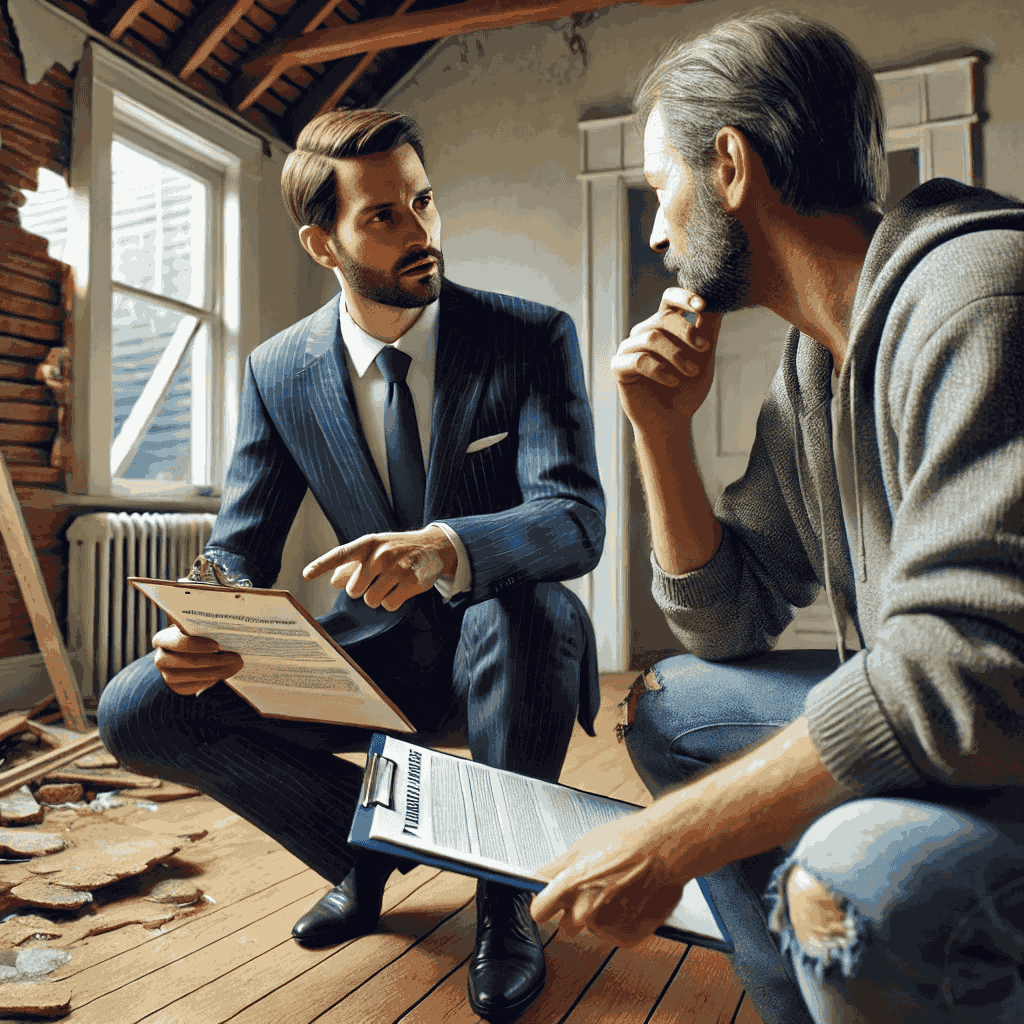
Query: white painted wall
(499, 111)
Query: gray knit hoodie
(926, 481)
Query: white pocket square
(485, 442)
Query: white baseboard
(24, 682)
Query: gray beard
(388, 289)
(718, 264)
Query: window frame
(113, 99)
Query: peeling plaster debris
(27, 1000)
(99, 854)
(35, 963)
(17, 930)
(109, 922)
(167, 791)
(31, 844)
(40, 893)
(20, 808)
(179, 891)
(27, 965)
(60, 793)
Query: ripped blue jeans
(892, 909)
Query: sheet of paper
(292, 669)
(477, 815)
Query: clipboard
(293, 668)
(379, 793)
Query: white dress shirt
(370, 390)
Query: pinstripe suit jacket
(529, 508)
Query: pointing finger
(333, 558)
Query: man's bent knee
(819, 919)
(129, 710)
(644, 683)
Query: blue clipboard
(378, 790)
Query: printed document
(476, 815)
(293, 669)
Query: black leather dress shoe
(506, 971)
(348, 910)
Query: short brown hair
(308, 183)
(803, 97)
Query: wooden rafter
(328, 93)
(408, 29)
(304, 18)
(213, 23)
(118, 17)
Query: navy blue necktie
(402, 439)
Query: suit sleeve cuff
(463, 576)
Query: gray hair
(803, 98)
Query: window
(930, 120)
(160, 232)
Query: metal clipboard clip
(378, 782)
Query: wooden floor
(235, 961)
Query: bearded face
(413, 281)
(717, 264)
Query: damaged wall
(35, 131)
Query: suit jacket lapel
(461, 370)
(334, 407)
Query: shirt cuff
(463, 576)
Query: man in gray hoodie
(880, 814)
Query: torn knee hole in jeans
(644, 683)
(824, 927)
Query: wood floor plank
(195, 964)
(448, 1003)
(605, 770)
(629, 985)
(322, 987)
(573, 963)
(233, 887)
(202, 972)
(747, 1014)
(704, 991)
(394, 990)
(198, 934)
(290, 967)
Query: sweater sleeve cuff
(699, 588)
(853, 737)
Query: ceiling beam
(327, 93)
(407, 29)
(302, 19)
(213, 23)
(118, 17)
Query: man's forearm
(684, 530)
(763, 799)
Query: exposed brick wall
(35, 131)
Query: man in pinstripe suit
(452, 546)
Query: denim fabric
(933, 896)
(934, 907)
